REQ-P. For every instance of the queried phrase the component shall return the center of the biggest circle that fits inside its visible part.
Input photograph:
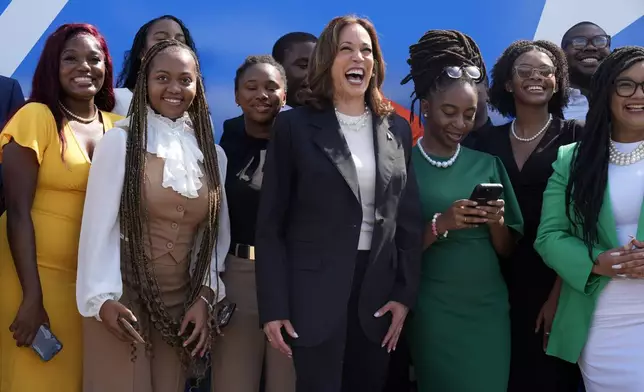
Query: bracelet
(435, 229)
(207, 302)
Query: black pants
(348, 361)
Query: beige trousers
(239, 356)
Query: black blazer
(309, 220)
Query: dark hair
(45, 86)
(254, 60)
(132, 59)
(286, 41)
(134, 262)
(320, 93)
(434, 51)
(566, 36)
(589, 166)
(503, 100)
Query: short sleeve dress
(460, 329)
(56, 214)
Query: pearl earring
(425, 115)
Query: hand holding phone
(45, 344)
(488, 199)
(116, 317)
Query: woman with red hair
(46, 151)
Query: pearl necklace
(619, 158)
(79, 118)
(356, 124)
(536, 135)
(440, 164)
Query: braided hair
(137, 272)
(589, 166)
(503, 100)
(434, 51)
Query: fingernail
(617, 266)
(615, 254)
(296, 335)
(377, 314)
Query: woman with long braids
(158, 29)
(591, 232)
(46, 150)
(155, 234)
(460, 331)
(530, 84)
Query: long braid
(436, 50)
(137, 270)
(589, 167)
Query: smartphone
(45, 344)
(483, 193)
(130, 329)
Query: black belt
(242, 251)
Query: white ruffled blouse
(99, 256)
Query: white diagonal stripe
(22, 24)
(613, 16)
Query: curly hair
(436, 50)
(589, 167)
(502, 72)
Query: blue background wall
(227, 31)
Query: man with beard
(586, 45)
(293, 51)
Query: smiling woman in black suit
(339, 227)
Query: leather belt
(242, 251)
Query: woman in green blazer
(592, 244)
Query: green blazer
(566, 253)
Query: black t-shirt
(246, 155)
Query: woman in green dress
(460, 331)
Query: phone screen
(45, 344)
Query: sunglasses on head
(626, 88)
(526, 71)
(598, 41)
(456, 72)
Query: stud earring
(425, 115)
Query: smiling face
(584, 59)
(628, 110)
(450, 114)
(533, 79)
(82, 67)
(172, 82)
(296, 64)
(353, 65)
(161, 30)
(260, 93)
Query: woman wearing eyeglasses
(460, 329)
(592, 209)
(530, 84)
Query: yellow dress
(56, 214)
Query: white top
(285, 108)
(577, 106)
(360, 142)
(99, 258)
(123, 97)
(626, 186)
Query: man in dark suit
(11, 98)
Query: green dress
(459, 333)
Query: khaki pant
(240, 355)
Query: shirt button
(174, 225)
(180, 208)
(170, 245)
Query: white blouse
(99, 256)
(123, 98)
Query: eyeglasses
(581, 42)
(456, 72)
(526, 71)
(626, 88)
